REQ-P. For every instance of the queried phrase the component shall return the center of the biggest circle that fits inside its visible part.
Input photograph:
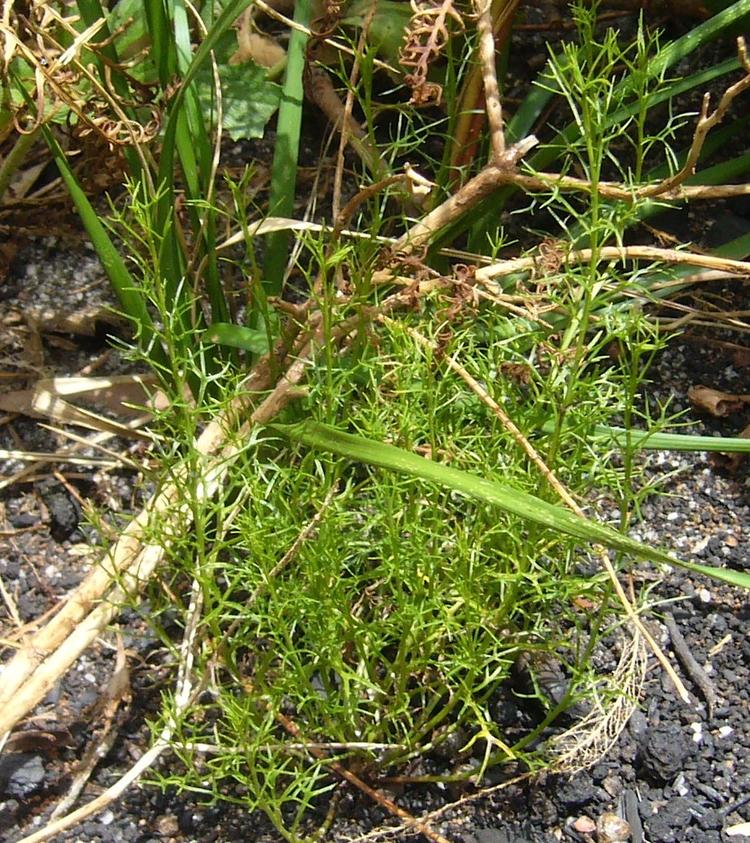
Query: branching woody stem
(651, 253)
(493, 103)
(706, 122)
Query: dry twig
(688, 661)
(183, 697)
(409, 821)
(706, 122)
(117, 692)
(493, 103)
(608, 253)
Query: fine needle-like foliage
(397, 489)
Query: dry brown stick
(483, 184)
(565, 496)
(343, 217)
(183, 697)
(706, 122)
(652, 253)
(438, 813)
(410, 821)
(688, 661)
(492, 102)
(542, 182)
(118, 690)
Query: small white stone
(697, 730)
(89, 677)
(705, 595)
(725, 731)
(701, 545)
(106, 818)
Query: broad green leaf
(248, 98)
(512, 500)
(386, 28)
(236, 336)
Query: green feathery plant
(384, 560)
(385, 554)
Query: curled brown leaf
(715, 402)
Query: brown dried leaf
(83, 322)
(715, 402)
(255, 46)
(731, 463)
(45, 401)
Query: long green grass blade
(224, 21)
(506, 497)
(194, 148)
(665, 441)
(286, 153)
(125, 286)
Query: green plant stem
(15, 158)
(286, 153)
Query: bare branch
(652, 253)
(493, 103)
(706, 122)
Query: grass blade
(507, 498)
(125, 286)
(237, 336)
(284, 171)
(665, 441)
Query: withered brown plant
(426, 36)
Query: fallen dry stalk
(184, 695)
(47, 655)
(608, 253)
